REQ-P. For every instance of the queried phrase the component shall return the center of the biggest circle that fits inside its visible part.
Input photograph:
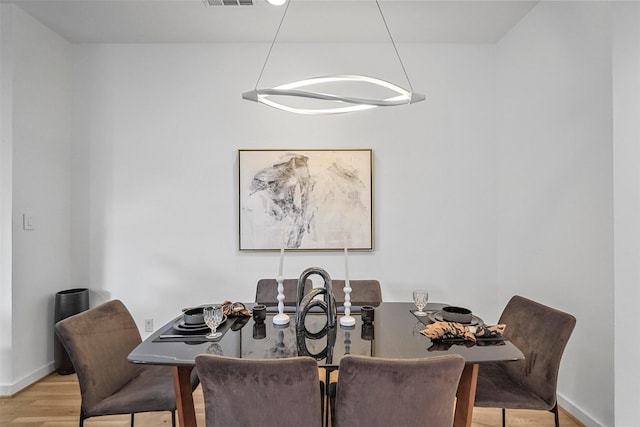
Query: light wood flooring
(54, 401)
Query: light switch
(28, 221)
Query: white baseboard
(578, 413)
(11, 389)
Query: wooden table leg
(184, 396)
(466, 396)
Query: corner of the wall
(12, 389)
(578, 413)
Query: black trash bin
(68, 303)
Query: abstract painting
(309, 199)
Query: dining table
(394, 333)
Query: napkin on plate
(448, 330)
(235, 309)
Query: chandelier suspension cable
(273, 42)
(394, 46)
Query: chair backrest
(98, 342)
(267, 291)
(375, 391)
(245, 392)
(541, 333)
(363, 292)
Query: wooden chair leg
(82, 417)
(131, 420)
(173, 418)
(504, 416)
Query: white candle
(346, 267)
(281, 256)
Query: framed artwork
(308, 199)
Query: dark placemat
(445, 345)
(172, 335)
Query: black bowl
(194, 316)
(456, 314)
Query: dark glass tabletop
(395, 333)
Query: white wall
(6, 185)
(159, 126)
(40, 143)
(626, 132)
(555, 186)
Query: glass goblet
(420, 299)
(213, 316)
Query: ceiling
(192, 21)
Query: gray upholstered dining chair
(98, 342)
(541, 333)
(245, 392)
(363, 292)
(397, 392)
(267, 291)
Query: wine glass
(420, 298)
(213, 316)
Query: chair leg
(555, 414)
(173, 418)
(504, 416)
(82, 417)
(131, 420)
(331, 400)
(322, 399)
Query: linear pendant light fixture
(331, 103)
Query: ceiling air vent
(229, 2)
